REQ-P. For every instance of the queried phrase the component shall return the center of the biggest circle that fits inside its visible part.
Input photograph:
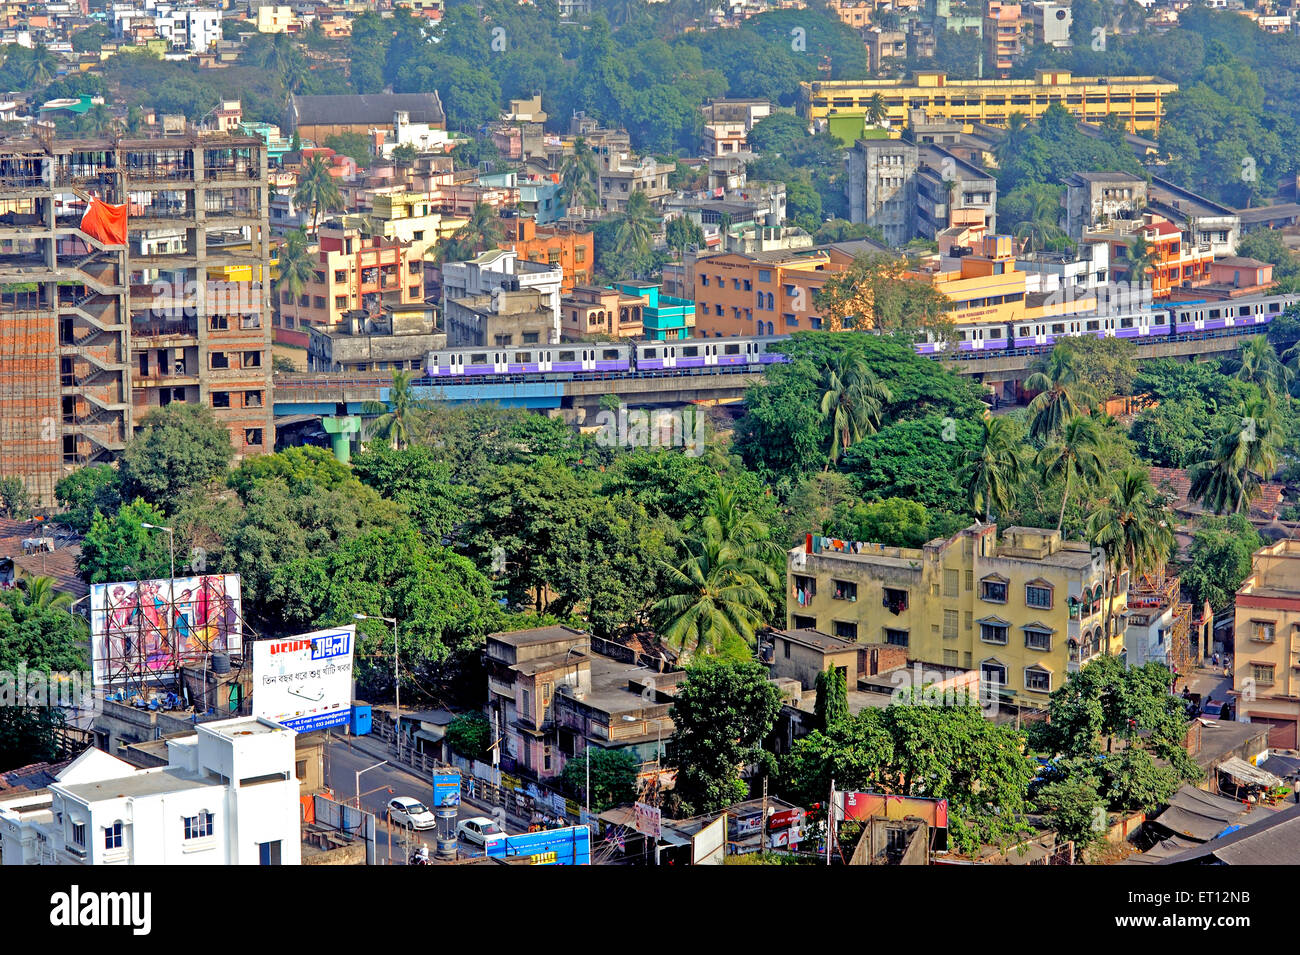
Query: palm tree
(1257, 363)
(877, 111)
(1062, 395)
(41, 593)
(1142, 258)
(720, 592)
(1241, 457)
(578, 175)
(992, 471)
(635, 226)
(1017, 133)
(402, 416)
(297, 266)
(851, 403)
(317, 189)
(482, 231)
(40, 66)
(1074, 453)
(1130, 526)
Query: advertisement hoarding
(446, 789)
(571, 846)
(147, 629)
(305, 682)
(859, 807)
(647, 819)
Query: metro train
(691, 353)
(1179, 318)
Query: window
(219, 359)
(950, 624)
(219, 323)
(1263, 630)
(994, 631)
(764, 275)
(79, 835)
(993, 674)
(527, 707)
(994, 590)
(198, 827)
(950, 578)
(845, 630)
(804, 623)
(1038, 680)
(1038, 595)
(252, 399)
(1037, 638)
(253, 437)
(845, 590)
(805, 588)
(268, 853)
(897, 638)
(1262, 673)
(252, 359)
(340, 301)
(221, 399)
(895, 600)
(785, 645)
(113, 836)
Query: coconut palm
(317, 189)
(482, 231)
(635, 226)
(992, 471)
(297, 266)
(402, 417)
(1142, 259)
(41, 593)
(578, 175)
(1242, 456)
(1257, 363)
(1072, 454)
(39, 67)
(1130, 526)
(1062, 395)
(877, 111)
(851, 403)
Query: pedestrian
(1216, 659)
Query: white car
(480, 830)
(411, 813)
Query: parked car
(410, 813)
(480, 830)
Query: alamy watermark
(675, 428)
(53, 689)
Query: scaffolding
(1159, 591)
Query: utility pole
(762, 821)
(830, 822)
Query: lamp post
(171, 552)
(360, 772)
(397, 681)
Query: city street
(343, 761)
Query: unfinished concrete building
(95, 332)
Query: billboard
(147, 629)
(859, 807)
(305, 682)
(571, 846)
(446, 789)
(647, 819)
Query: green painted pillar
(340, 429)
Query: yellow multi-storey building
(1138, 100)
(1266, 677)
(1025, 611)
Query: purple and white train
(1180, 318)
(691, 353)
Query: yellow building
(1139, 100)
(1024, 611)
(1266, 677)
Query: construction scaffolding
(1157, 594)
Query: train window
(1274, 306)
(1023, 331)
(690, 351)
(1158, 318)
(478, 358)
(995, 333)
(1244, 310)
(524, 357)
(609, 354)
(567, 356)
(649, 352)
(1093, 326)
(1126, 323)
(1216, 313)
(1058, 328)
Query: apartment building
(1050, 23)
(911, 191)
(1092, 198)
(354, 271)
(228, 795)
(1138, 100)
(100, 324)
(1176, 263)
(663, 316)
(572, 250)
(1266, 663)
(1026, 609)
(502, 318)
(590, 310)
(553, 696)
(502, 269)
(1002, 31)
(883, 46)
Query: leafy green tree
(353, 145)
(682, 233)
(721, 715)
(876, 294)
(1220, 559)
(1242, 456)
(179, 449)
(613, 777)
(85, 491)
(302, 469)
(851, 403)
(832, 703)
(417, 479)
(1136, 783)
(296, 259)
(14, 501)
(117, 547)
(403, 417)
(911, 459)
(578, 176)
(1061, 394)
(1073, 808)
(470, 735)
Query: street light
(397, 680)
(366, 770)
(171, 550)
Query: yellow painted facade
(1024, 611)
(1266, 677)
(1139, 100)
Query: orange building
(762, 293)
(591, 310)
(574, 252)
(1175, 262)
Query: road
(343, 761)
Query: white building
(502, 269)
(228, 796)
(1070, 273)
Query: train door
(670, 356)
(710, 354)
